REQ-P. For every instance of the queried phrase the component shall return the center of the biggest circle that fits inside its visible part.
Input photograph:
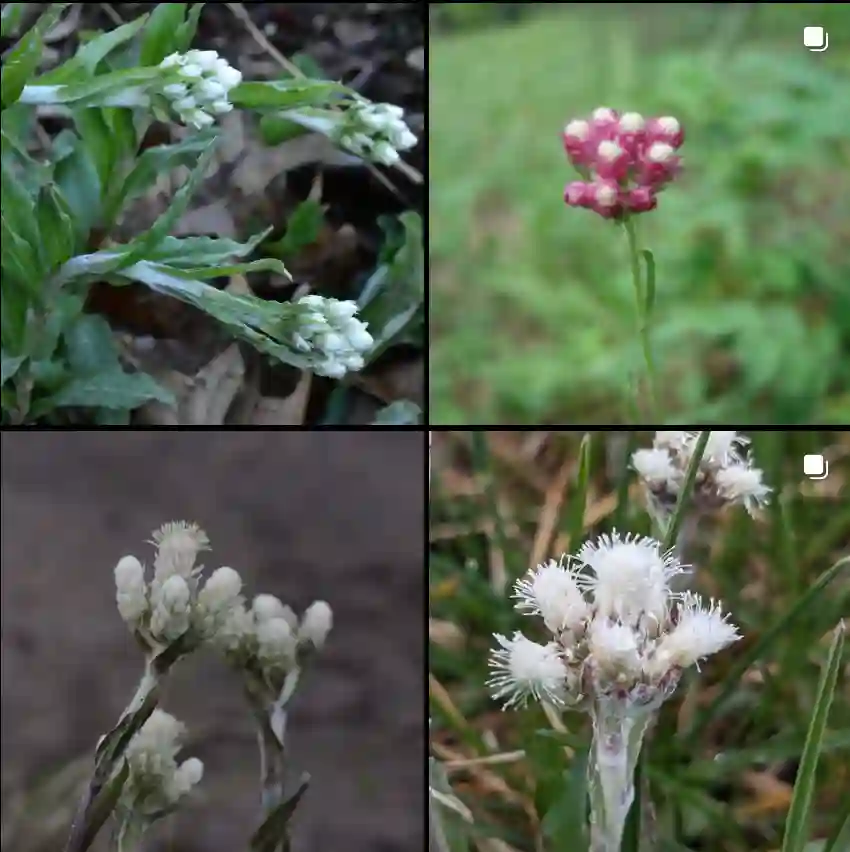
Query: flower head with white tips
(331, 334)
(197, 85)
(522, 669)
(629, 576)
(375, 132)
(726, 473)
(552, 592)
(619, 632)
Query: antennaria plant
(63, 195)
(137, 779)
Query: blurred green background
(501, 502)
(532, 314)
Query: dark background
(331, 515)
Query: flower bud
(316, 624)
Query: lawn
(532, 312)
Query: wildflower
(625, 160)
(131, 591)
(198, 87)
(524, 669)
(331, 333)
(700, 632)
(156, 782)
(614, 619)
(216, 600)
(316, 624)
(726, 474)
(629, 577)
(276, 643)
(170, 615)
(375, 131)
(552, 592)
(269, 606)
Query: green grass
(532, 313)
(721, 762)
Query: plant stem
(643, 315)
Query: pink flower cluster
(626, 160)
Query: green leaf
(21, 62)
(274, 832)
(797, 823)
(111, 388)
(10, 366)
(164, 224)
(284, 94)
(11, 15)
(649, 293)
(78, 180)
(127, 87)
(152, 164)
(393, 297)
(14, 307)
(185, 34)
(188, 252)
(565, 822)
(578, 503)
(19, 260)
(92, 54)
(98, 140)
(275, 129)
(399, 413)
(56, 226)
(759, 648)
(89, 345)
(161, 32)
(103, 805)
(302, 229)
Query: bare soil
(333, 515)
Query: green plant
(62, 196)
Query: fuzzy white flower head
(577, 129)
(700, 632)
(630, 576)
(523, 669)
(276, 643)
(155, 781)
(332, 334)
(269, 606)
(614, 648)
(743, 484)
(220, 594)
(660, 152)
(631, 122)
(236, 631)
(170, 616)
(177, 547)
(199, 89)
(657, 468)
(609, 150)
(131, 590)
(316, 624)
(603, 114)
(723, 447)
(552, 592)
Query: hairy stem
(643, 316)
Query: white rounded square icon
(813, 37)
(814, 465)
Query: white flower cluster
(174, 606)
(726, 475)
(198, 92)
(375, 132)
(156, 782)
(331, 332)
(618, 631)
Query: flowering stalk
(620, 639)
(626, 161)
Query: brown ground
(331, 515)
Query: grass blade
(796, 826)
(687, 489)
(758, 649)
(575, 522)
